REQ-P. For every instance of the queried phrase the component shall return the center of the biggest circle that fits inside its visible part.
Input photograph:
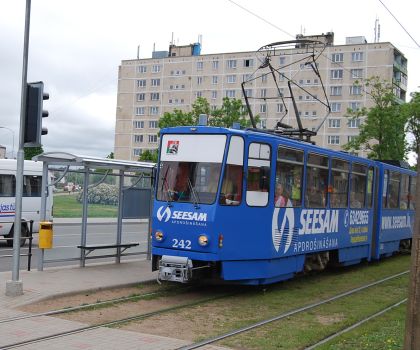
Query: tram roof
(68, 159)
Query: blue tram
(251, 207)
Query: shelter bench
(91, 248)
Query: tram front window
(189, 182)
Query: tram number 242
(183, 244)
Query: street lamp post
(13, 139)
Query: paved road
(67, 238)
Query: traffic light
(35, 97)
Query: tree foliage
(149, 156)
(30, 152)
(382, 131)
(411, 111)
(231, 111)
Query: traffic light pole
(15, 286)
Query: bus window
(405, 189)
(357, 186)
(289, 174)
(393, 190)
(412, 202)
(258, 179)
(316, 181)
(231, 191)
(339, 183)
(370, 188)
(32, 186)
(7, 185)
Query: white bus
(31, 198)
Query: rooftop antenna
(154, 47)
(172, 40)
(138, 51)
(377, 30)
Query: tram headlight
(203, 240)
(159, 236)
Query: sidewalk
(38, 285)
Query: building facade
(174, 79)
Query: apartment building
(174, 79)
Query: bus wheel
(24, 234)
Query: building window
(263, 108)
(152, 138)
(355, 90)
(336, 74)
(336, 90)
(154, 96)
(141, 69)
(213, 107)
(280, 92)
(137, 152)
(333, 139)
(141, 97)
(264, 78)
(231, 79)
(231, 64)
(248, 62)
(280, 108)
(139, 110)
(155, 82)
(138, 124)
(248, 92)
(138, 138)
(156, 68)
(214, 79)
(246, 77)
(281, 76)
(357, 56)
(153, 124)
(334, 123)
(200, 65)
(356, 73)
(354, 123)
(141, 83)
(214, 94)
(215, 64)
(154, 110)
(354, 106)
(263, 93)
(263, 124)
(199, 80)
(335, 107)
(199, 94)
(230, 93)
(313, 113)
(337, 57)
(282, 60)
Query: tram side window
(7, 185)
(316, 181)
(258, 177)
(339, 183)
(385, 189)
(412, 192)
(289, 174)
(405, 190)
(369, 191)
(393, 190)
(231, 192)
(358, 186)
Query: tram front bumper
(175, 269)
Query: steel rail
(108, 324)
(287, 314)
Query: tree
(382, 131)
(231, 111)
(110, 156)
(411, 111)
(149, 156)
(30, 152)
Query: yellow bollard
(45, 240)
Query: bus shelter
(85, 164)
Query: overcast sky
(76, 47)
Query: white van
(31, 198)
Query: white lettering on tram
(395, 222)
(316, 221)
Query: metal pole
(412, 324)
(120, 215)
(84, 216)
(15, 286)
(44, 194)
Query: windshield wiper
(194, 193)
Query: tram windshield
(188, 182)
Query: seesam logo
(181, 217)
(172, 147)
(311, 222)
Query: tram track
(297, 311)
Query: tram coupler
(175, 269)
